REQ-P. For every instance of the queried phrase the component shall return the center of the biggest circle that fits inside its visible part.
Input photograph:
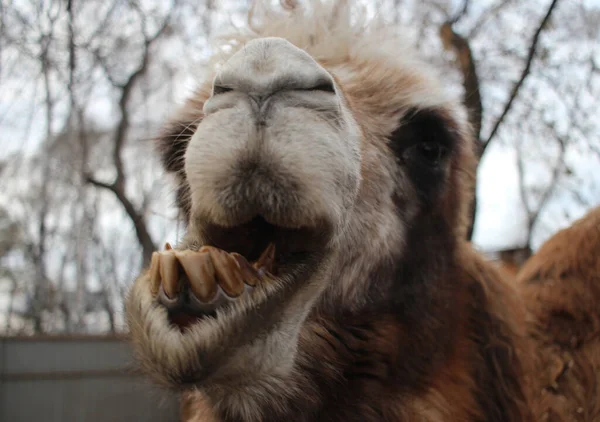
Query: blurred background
(85, 85)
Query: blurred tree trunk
(472, 93)
(472, 98)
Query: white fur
(304, 144)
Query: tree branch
(515, 91)
(521, 178)
(491, 12)
(118, 186)
(556, 171)
(111, 187)
(461, 13)
(126, 91)
(139, 222)
(472, 95)
(534, 213)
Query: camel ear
(172, 143)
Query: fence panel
(86, 379)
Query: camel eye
(427, 153)
(423, 140)
(431, 152)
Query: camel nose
(275, 137)
(266, 66)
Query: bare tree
(76, 155)
(86, 84)
(118, 185)
(471, 84)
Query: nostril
(219, 89)
(327, 87)
(322, 85)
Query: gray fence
(85, 379)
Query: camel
(560, 285)
(325, 176)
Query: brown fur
(410, 324)
(561, 286)
(479, 375)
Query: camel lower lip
(184, 320)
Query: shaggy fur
(388, 315)
(561, 287)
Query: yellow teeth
(249, 273)
(155, 273)
(200, 273)
(169, 273)
(228, 272)
(210, 274)
(266, 261)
